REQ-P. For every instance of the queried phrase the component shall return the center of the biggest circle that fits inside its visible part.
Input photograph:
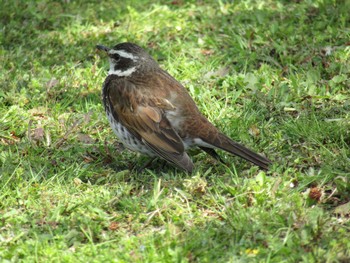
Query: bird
(153, 114)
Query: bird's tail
(225, 143)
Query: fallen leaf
(88, 159)
(207, 52)
(77, 181)
(85, 138)
(14, 136)
(343, 209)
(38, 134)
(254, 131)
(52, 83)
(38, 112)
(87, 116)
(113, 226)
(326, 51)
(221, 72)
(275, 186)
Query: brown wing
(144, 117)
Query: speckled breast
(128, 140)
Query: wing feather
(146, 120)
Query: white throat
(121, 73)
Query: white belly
(128, 140)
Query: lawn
(273, 75)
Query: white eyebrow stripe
(123, 54)
(121, 73)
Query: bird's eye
(116, 57)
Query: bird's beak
(103, 48)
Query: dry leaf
(343, 209)
(77, 181)
(88, 159)
(254, 131)
(221, 72)
(38, 112)
(207, 52)
(87, 116)
(14, 136)
(84, 138)
(113, 226)
(52, 83)
(38, 134)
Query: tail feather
(225, 143)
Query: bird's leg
(146, 165)
(212, 153)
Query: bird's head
(127, 58)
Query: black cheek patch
(116, 57)
(124, 64)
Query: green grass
(259, 70)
